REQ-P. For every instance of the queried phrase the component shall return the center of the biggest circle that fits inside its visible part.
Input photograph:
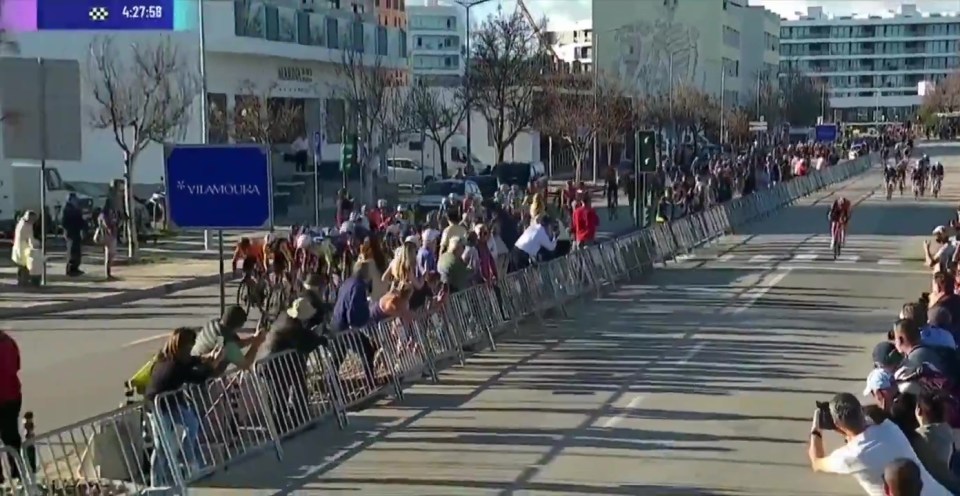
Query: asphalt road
(75, 363)
(698, 380)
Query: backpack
(931, 380)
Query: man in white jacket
(25, 253)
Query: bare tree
(142, 95)
(737, 122)
(377, 105)
(765, 98)
(579, 117)
(506, 77)
(258, 116)
(438, 112)
(802, 98)
(695, 111)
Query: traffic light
(348, 153)
(646, 151)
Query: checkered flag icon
(99, 13)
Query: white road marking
(848, 258)
(727, 257)
(889, 262)
(831, 267)
(638, 399)
(804, 257)
(751, 297)
(761, 258)
(150, 339)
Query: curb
(111, 299)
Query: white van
(428, 154)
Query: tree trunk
(577, 165)
(130, 219)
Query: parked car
(407, 171)
(487, 184)
(434, 193)
(518, 173)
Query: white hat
(878, 380)
(413, 238)
(301, 309)
(431, 235)
(939, 229)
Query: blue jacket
(351, 309)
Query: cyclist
(936, 175)
(250, 253)
(278, 254)
(918, 175)
(840, 213)
(889, 177)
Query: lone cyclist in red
(840, 212)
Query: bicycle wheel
(243, 296)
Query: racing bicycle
(836, 238)
(937, 183)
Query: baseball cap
(939, 229)
(877, 380)
(885, 354)
(412, 239)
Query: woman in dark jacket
(174, 367)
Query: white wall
(102, 159)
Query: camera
(824, 418)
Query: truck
(20, 191)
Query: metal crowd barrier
(203, 428)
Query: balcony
(252, 28)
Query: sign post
(219, 187)
(317, 158)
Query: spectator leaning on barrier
(906, 334)
(901, 477)
(291, 332)
(534, 241)
(942, 295)
(454, 272)
(936, 333)
(173, 368)
(351, 309)
(223, 332)
(868, 448)
(11, 398)
(934, 438)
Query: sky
(562, 13)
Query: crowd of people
(903, 443)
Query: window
(419, 42)
(217, 105)
(335, 115)
(414, 146)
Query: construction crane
(544, 40)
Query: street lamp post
(467, 5)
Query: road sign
(756, 126)
(44, 95)
(826, 133)
(218, 186)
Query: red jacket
(9, 369)
(585, 222)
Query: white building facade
(437, 43)
(574, 44)
(291, 49)
(873, 65)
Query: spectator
(403, 267)
(174, 367)
(25, 248)
(351, 309)
(394, 304)
(453, 230)
(935, 333)
(943, 258)
(371, 254)
(533, 242)
(585, 223)
(107, 234)
(73, 226)
(223, 333)
(501, 252)
(313, 288)
(344, 206)
(291, 332)
(427, 254)
(934, 440)
(868, 449)
(881, 387)
(943, 295)
(486, 247)
(906, 336)
(471, 256)
(454, 273)
(11, 399)
(886, 357)
(902, 477)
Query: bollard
(128, 393)
(29, 451)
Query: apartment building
(574, 45)
(710, 44)
(437, 41)
(291, 49)
(873, 63)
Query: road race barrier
(186, 435)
